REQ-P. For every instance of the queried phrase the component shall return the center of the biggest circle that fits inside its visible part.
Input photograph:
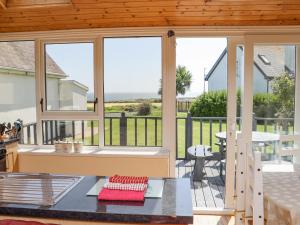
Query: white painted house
(17, 84)
(269, 62)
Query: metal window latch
(95, 103)
(42, 103)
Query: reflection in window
(69, 77)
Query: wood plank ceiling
(40, 15)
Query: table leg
(198, 169)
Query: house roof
(275, 56)
(20, 55)
(272, 66)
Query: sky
(134, 64)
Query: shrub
(265, 105)
(144, 109)
(129, 108)
(212, 103)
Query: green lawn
(141, 133)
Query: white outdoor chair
(254, 188)
(284, 150)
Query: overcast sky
(134, 64)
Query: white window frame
(165, 91)
(66, 114)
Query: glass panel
(132, 91)
(201, 82)
(69, 77)
(274, 74)
(85, 131)
(239, 80)
(17, 85)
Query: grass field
(154, 138)
(141, 133)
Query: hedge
(214, 103)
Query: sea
(112, 97)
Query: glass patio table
(260, 140)
(257, 137)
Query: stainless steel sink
(37, 189)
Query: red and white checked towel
(128, 179)
(124, 188)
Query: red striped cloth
(21, 222)
(128, 179)
(117, 194)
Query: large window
(132, 91)
(274, 81)
(69, 71)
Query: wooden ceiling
(40, 15)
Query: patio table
(282, 197)
(257, 137)
(200, 153)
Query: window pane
(69, 77)
(274, 81)
(72, 131)
(132, 91)
(17, 84)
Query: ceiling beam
(3, 4)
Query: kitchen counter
(175, 206)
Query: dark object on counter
(2, 128)
(21, 222)
(2, 158)
(12, 131)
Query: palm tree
(183, 80)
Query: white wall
(72, 96)
(52, 93)
(17, 98)
(260, 84)
(218, 79)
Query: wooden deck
(208, 193)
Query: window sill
(141, 152)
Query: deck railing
(125, 130)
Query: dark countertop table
(175, 207)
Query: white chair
(284, 150)
(254, 188)
(249, 185)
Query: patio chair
(285, 150)
(222, 151)
(219, 156)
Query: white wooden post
(38, 91)
(240, 182)
(247, 103)
(232, 45)
(169, 98)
